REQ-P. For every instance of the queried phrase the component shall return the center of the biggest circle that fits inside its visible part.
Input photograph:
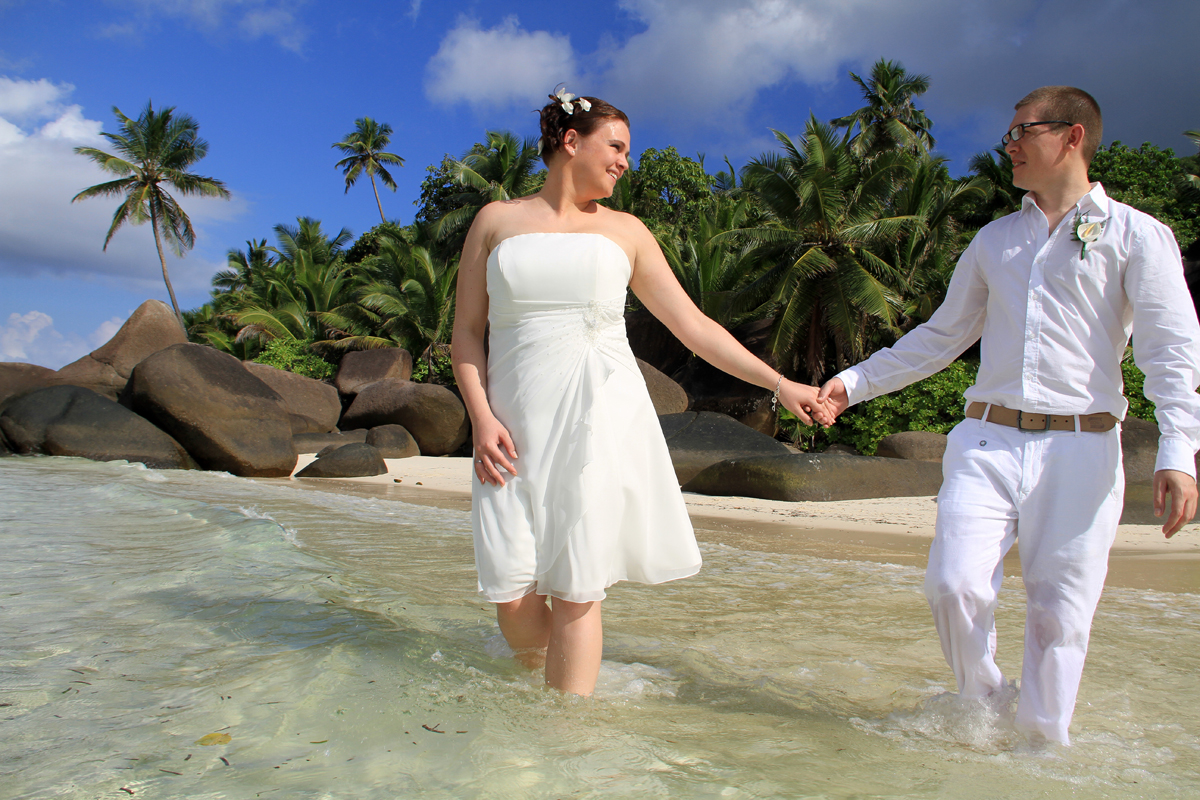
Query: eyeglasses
(1018, 131)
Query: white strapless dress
(596, 500)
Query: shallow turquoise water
(338, 642)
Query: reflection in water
(339, 643)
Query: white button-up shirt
(1055, 320)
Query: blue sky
(273, 83)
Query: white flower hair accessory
(568, 100)
(1086, 231)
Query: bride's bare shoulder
(501, 219)
(624, 227)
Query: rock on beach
(433, 415)
(698, 440)
(74, 421)
(149, 329)
(393, 441)
(361, 368)
(17, 378)
(913, 445)
(805, 476)
(226, 418)
(356, 460)
(316, 442)
(314, 405)
(667, 396)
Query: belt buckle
(1021, 426)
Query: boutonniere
(1086, 230)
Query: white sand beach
(888, 529)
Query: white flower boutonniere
(1086, 231)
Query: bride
(574, 488)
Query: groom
(1054, 290)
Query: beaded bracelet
(775, 397)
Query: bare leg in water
(526, 625)
(566, 637)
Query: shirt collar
(1096, 200)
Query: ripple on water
(337, 640)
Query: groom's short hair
(1072, 105)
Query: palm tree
(828, 216)
(309, 278)
(926, 255)
(408, 301)
(889, 119)
(710, 268)
(364, 153)
(1001, 196)
(499, 169)
(156, 148)
(246, 268)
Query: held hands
(833, 396)
(494, 449)
(803, 401)
(1182, 489)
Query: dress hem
(588, 597)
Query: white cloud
(273, 19)
(496, 67)
(705, 62)
(23, 100)
(71, 126)
(709, 57)
(277, 23)
(20, 332)
(33, 339)
(42, 232)
(106, 331)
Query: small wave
(289, 534)
(985, 724)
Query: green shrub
(1139, 406)
(440, 371)
(296, 356)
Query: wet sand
(893, 530)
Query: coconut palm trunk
(375, 189)
(162, 259)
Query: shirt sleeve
(1166, 344)
(929, 347)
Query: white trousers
(1059, 494)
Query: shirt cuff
(855, 384)
(1175, 454)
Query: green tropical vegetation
(835, 243)
(156, 148)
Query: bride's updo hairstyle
(585, 115)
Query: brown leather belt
(1025, 421)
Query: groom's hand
(833, 396)
(1182, 489)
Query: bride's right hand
(493, 448)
